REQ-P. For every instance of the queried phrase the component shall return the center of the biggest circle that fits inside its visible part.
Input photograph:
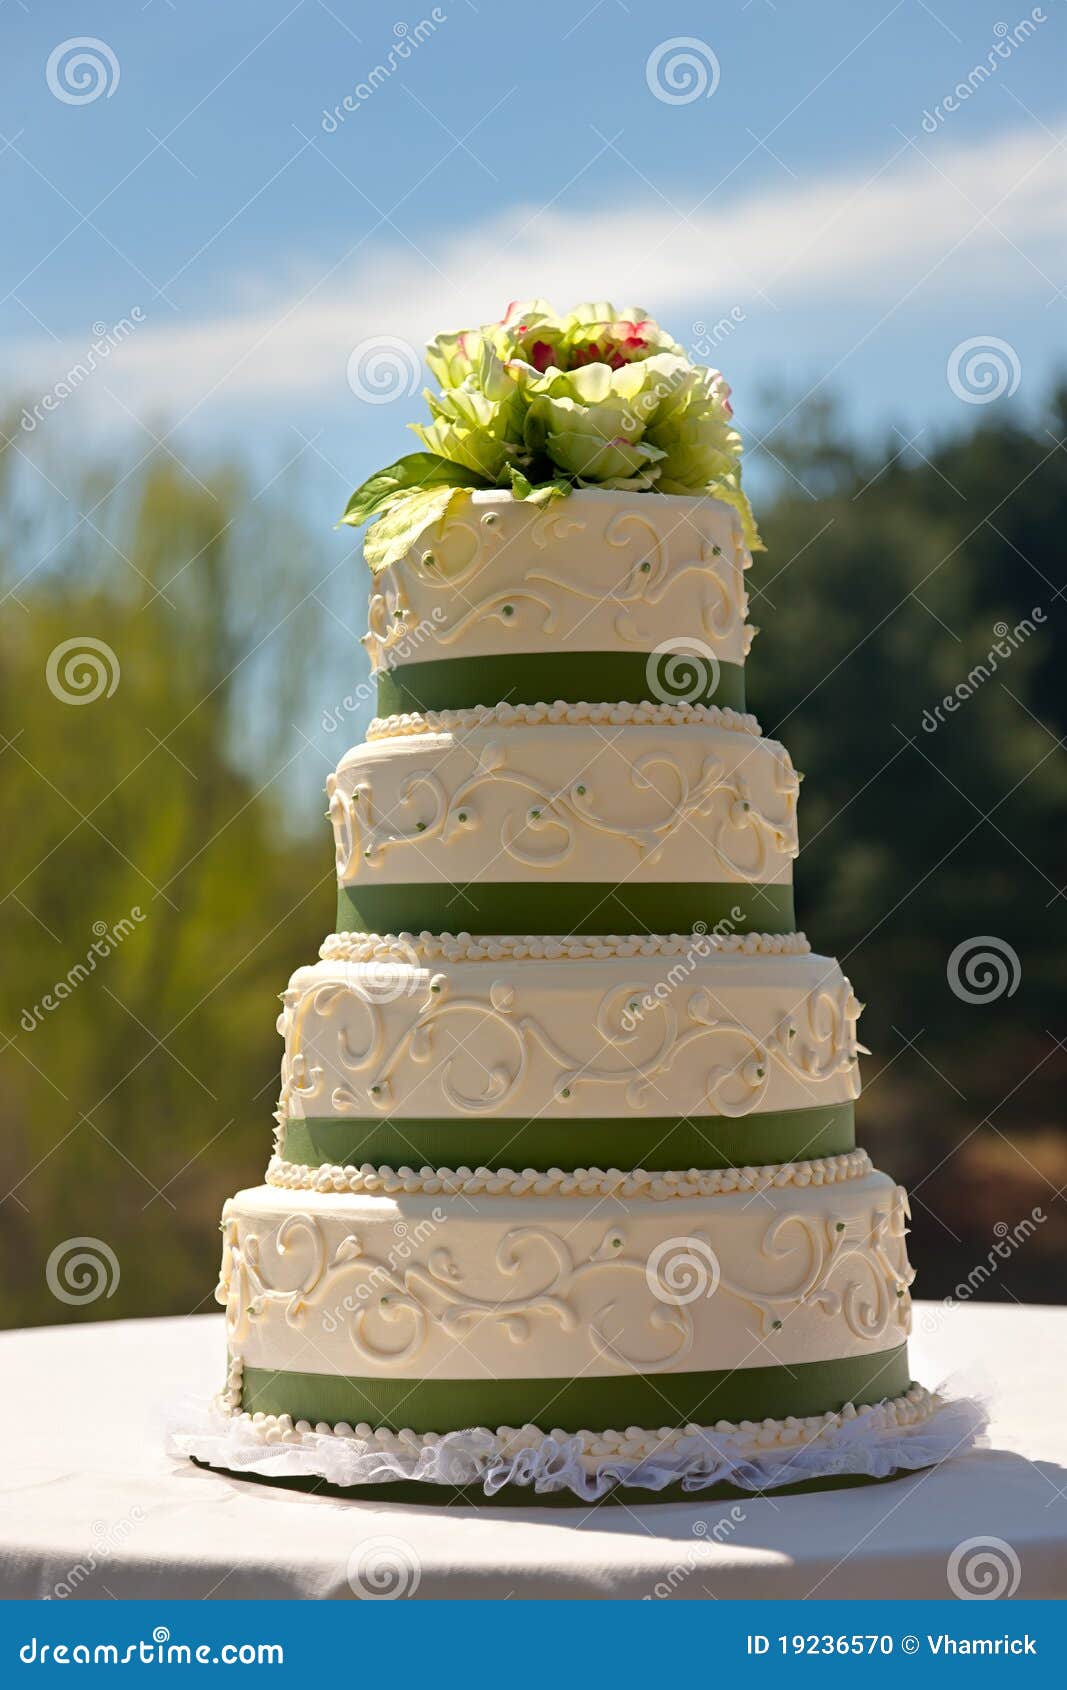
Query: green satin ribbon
(571, 907)
(543, 677)
(582, 1404)
(703, 1141)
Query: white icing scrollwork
(634, 555)
(813, 1042)
(541, 831)
(371, 1295)
(853, 1268)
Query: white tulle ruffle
(869, 1443)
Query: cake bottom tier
(573, 1346)
(439, 1311)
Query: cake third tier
(674, 1052)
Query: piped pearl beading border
(634, 1444)
(539, 947)
(622, 714)
(554, 1182)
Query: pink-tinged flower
(542, 403)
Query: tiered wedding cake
(565, 1190)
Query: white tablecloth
(92, 1506)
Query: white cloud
(860, 237)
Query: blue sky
(849, 246)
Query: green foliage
(132, 1107)
(415, 473)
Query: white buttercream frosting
(601, 571)
(699, 1032)
(621, 714)
(542, 947)
(555, 1182)
(634, 804)
(416, 1285)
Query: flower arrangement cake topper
(541, 404)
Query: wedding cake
(565, 1194)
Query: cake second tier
(557, 818)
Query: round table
(94, 1507)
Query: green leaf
(409, 515)
(418, 471)
(540, 492)
(730, 494)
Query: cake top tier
(603, 595)
(578, 497)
